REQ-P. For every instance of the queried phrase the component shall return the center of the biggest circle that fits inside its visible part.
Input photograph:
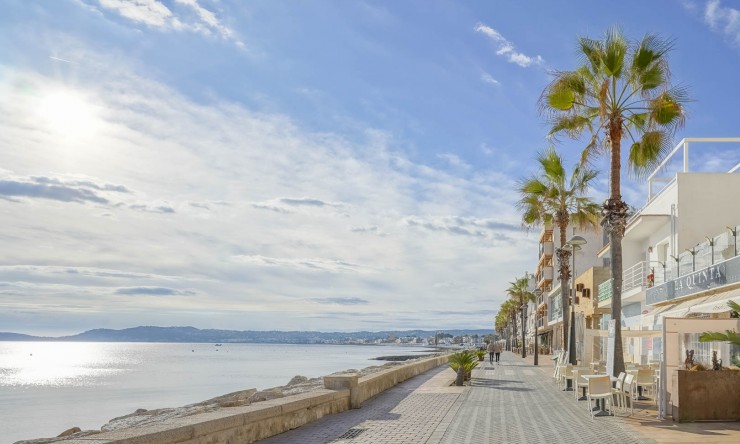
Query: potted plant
(463, 364)
(480, 354)
(709, 393)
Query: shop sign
(717, 275)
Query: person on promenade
(491, 350)
(497, 350)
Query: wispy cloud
(315, 264)
(464, 226)
(723, 19)
(454, 160)
(487, 78)
(40, 187)
(341, 301)
(190, 16)
(153, 291)
(506, 49)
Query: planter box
(706, 396)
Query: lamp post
(537, 294)
(524, 320)
(574, 243)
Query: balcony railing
(605, 290)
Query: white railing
(683, 145)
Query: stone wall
(261, 420)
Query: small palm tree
(463, 364)
(622, 90)
(554, 197)
(520, 294)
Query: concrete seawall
(251, 423)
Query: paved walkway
(512, 402)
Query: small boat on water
(218, 345)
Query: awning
(717, 303)
(680, 309)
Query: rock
(266, 395)
(69, 432)
(298, 379)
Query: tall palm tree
(554, 197)
(520, 294)
(506, 317)
(621, 91)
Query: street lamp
(574, 243)
(537, 293)
(524, 321)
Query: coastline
(296, 386)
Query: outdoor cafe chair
(578, 382)
(646, 380)
(566, 374)
(599, 387)
(558, 358)
(617, 391)
(628, 391)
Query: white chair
(566, 374)
(558, 366)
(599, 388)
(646, 380)
(628, 391)
(578, 381)
(618, 391)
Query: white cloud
(487, 78)
(453, 160)
(506, 48)
(192, 17)
(148, 12)
(724, 20)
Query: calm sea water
(48, 387)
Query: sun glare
(69, 114)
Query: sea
(49, 387)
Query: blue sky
(324, 165)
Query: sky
(281, 165)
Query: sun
(68, 113)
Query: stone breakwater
(297, 385)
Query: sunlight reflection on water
(56, 364)
(48, 387)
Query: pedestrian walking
(497, 350)
(491, 351)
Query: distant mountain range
(192, 334)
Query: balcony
(544, 276)
(605, 290)
(546, 249)
(640, 276)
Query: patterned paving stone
(516, 403)
(512, 402)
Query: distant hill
(192, 334)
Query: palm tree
(553, 197)
(622, 90)
(506, 317)
(521, 295)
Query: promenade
(511, 402)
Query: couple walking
(494, 348)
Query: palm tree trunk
(615, 212)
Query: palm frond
(646, 154)
(615, 50)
